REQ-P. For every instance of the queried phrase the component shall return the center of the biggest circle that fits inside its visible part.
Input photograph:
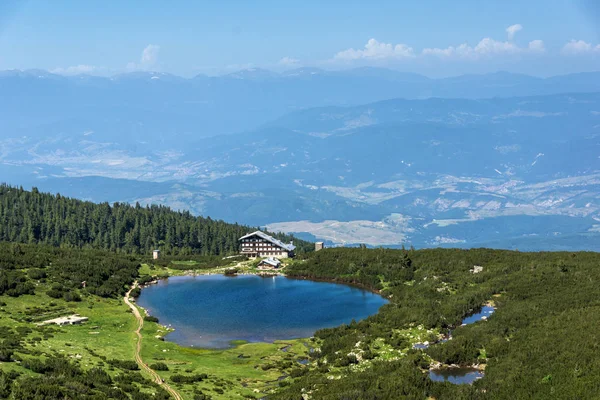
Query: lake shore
(223, 307)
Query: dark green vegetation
(59, 378)
(188, 378)
(24, 269)
(542, 342)
(34, 217)
(105, 274)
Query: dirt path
(138, 348)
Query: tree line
(35, 217)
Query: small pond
(457, 376)
(484, 314)
(211, 311)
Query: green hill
(35, 217)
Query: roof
(288, 247)
(271, 261)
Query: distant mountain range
(360, 156)
(149, 106)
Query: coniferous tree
(41, 218)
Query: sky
(432, 37)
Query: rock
(476, 269)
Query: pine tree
(34, 217)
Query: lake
(485, 312)
(457, 376)
(460, 375)
(211, 311)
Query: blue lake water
(212, 310)
(486, 311)
(457, 376)
(460, 375)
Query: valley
(513, 172)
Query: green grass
(246, 370)
(109, 331)
(228, 369)
(188, 263)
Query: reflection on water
(484, 314)
(212, 310)
(457, 376)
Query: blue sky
(436, 38)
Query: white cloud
(489, 46)
(148, 58)
(575, 47)
(536, 46)
(375, 50)
(150, 54)
(289, 62)
(449, 51)
(512, 30)
(77, 70)
(486, 47)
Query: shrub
(6, 354)
(72, 296)
(298, 372)
(55, 294)
(159, 366)
(177, 378)
(36, 273)
(124, 364)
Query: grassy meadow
(247, 370)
